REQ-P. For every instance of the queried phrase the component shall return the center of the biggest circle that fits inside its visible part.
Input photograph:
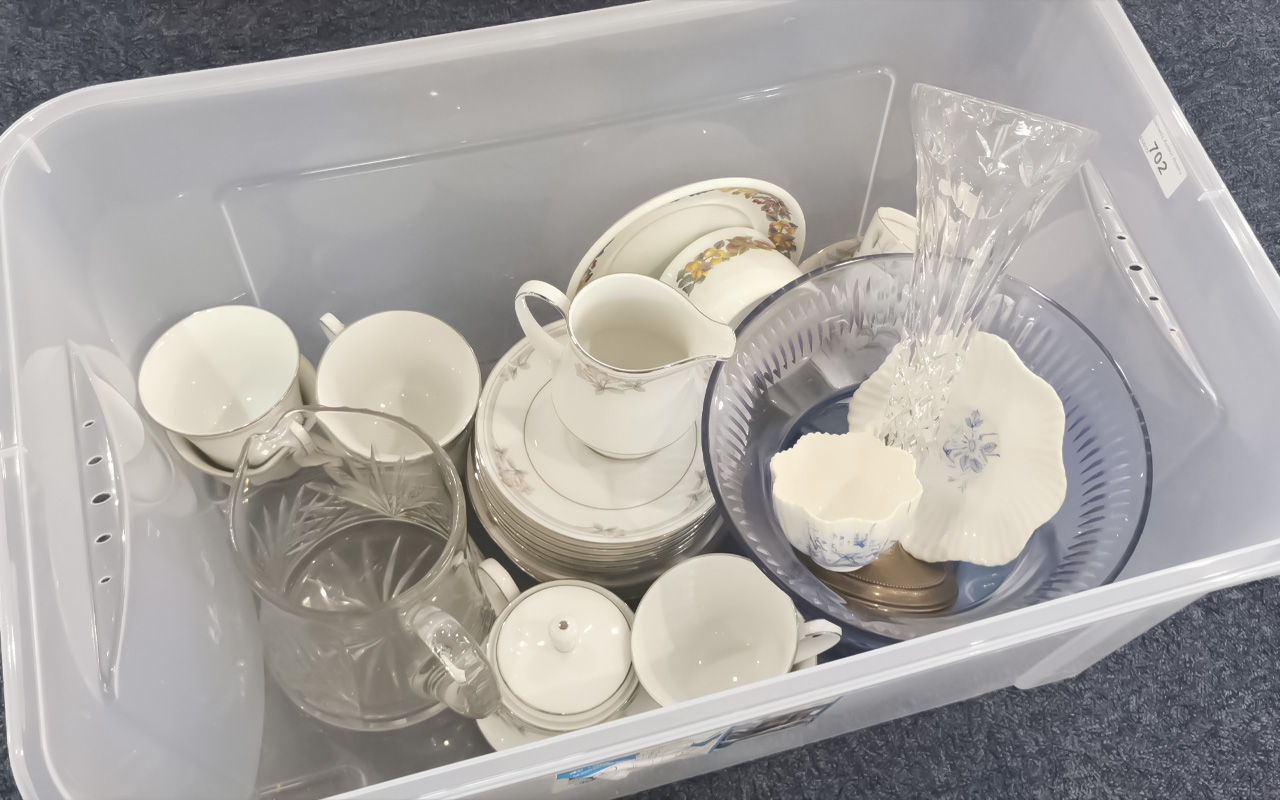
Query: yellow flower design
(712, 256)
(695, 271)
(783, 235)
(741, 244)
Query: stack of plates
(561, 510)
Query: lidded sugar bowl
(561, 653)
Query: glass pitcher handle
(459, 675)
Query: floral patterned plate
(996, 473)
(629, 583)
(572, 553)
(646, 239)
(613, 556)
(559, 484)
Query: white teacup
(890, 231)
(728, 272)
(220, 376)
(716, 622)
(406, 364)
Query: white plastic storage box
(439, 174)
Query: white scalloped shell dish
(996, 472)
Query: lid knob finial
(564, 633)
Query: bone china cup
(890, 231)
(725, 274)
(220, 376)
(406, 364)
(716, 622)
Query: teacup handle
(498, 585)
(458, 675)
(288, 433)
(817, 636)
(331, 326)
(543, 341)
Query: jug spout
(711, 340)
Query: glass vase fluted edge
(985, 173)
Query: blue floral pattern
(843, 551)
(969, 448)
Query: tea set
(599, 455)
(581, 455)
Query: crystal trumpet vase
(984, 175)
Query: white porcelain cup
(890, 231)
(220, 376)
(727, 273)
(716, 622)
(406, 364)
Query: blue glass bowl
(804, 351)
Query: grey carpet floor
(1192, 709)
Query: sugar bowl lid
(564, 647)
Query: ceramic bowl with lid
(562, 656)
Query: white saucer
(646, 239)
(193, 456)
(628, 580)
(502, 734)
(551, 479)
(615, 554)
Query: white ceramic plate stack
(560, 510)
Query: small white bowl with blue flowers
(842, 499)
